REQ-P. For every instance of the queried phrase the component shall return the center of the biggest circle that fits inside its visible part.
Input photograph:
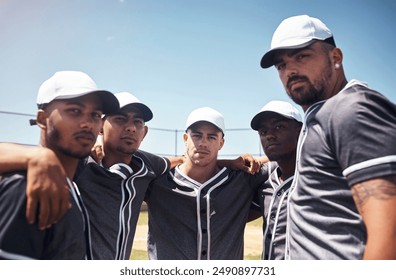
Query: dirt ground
(253, 239)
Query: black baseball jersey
(189, 220)
(272, 196)
(113, 198)
(345, 140)
(68, 239)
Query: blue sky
(178, 55)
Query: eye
(97, 115)
(139, 122)
(280, 66)
(74, 111)
(301, 56)
(120, 119)
(279, 126)
(262, 133)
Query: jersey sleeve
(17, 236)
(362, 132)
(158, 164)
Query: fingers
(97, 153)
(47, 191)
(64, 204)
(31, 209)
(253, 164)
(43, 217)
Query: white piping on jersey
(275, 224)
(126, 186)
(4, 255)
(300, 143)
(197, 188)
(166, 165)
(368, 163)
(75, 192)
(209, 214)
(121, 174)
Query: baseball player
(342, 203)
(278, 124)
(69, 116)
(198, 210)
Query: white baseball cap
(294, 33)
(128, 99)
(72, 84)
(279, 107)
(206, 114)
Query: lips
(292, 82)
(85, 136)
(202, 152)
(129, 139)
(270, 145)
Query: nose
(270, 136)
(290, 70)
(130, 126)
(203, 142)
(87, 122)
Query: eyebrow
(137, 115)
(292, 52)
(82, 104)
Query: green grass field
(253, 239)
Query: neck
(69, 164)
(287, 167)
(339, 84)
(111, 159)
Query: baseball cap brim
(268, 58)
(109, 101)
(145, 111)
(255, 123)
(110, 104)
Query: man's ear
(337, 57)
(145, 131)
(42, 119)
(221, 143)
(185, 137)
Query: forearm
(175, 161)
(376, 202)
(380, 249)
(15, 157)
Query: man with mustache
(278, 124)
(69, 117)
(198, 210)
(342, 203)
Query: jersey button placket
(203, 229)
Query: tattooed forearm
(381, 189)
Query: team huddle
(325, 190)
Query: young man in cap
(69, 116)
(199, 210)
(342, 203)
(278, 124)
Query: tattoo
(380, 189)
